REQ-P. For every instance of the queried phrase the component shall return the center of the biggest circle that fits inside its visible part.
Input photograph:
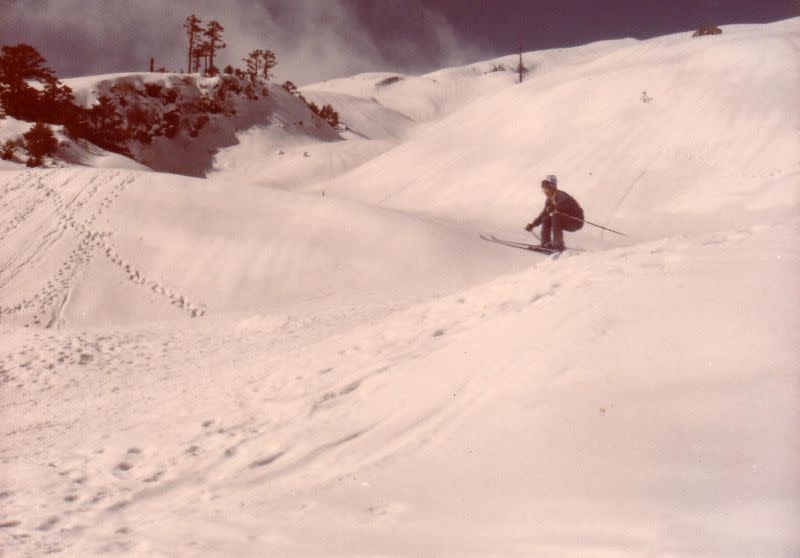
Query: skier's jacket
(563, 203)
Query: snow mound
(89, 248)
(208, 114)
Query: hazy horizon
(315, 41)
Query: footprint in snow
(386, 511)
(266, 461)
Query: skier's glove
(529, 227)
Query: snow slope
(89, 248)
(243, 366)
(70, 152)
(432, 96)
(719, 138)
(378, 112)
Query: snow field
(243, 366)
(478, 369)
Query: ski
(520, 245)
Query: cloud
(313, 40)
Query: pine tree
(192, 27)
(20, 65)
(57, 102)
(7, 151)
(270, 61)
(23, 62)
(213, 34)
(105, 127)
(201, 56)
(40, 142)
(253, 63)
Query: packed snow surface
(312, 352)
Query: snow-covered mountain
(311, 352)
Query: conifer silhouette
(213, 35)
(192, 27)
(270, 61)
(40, 142)
(21, 64)
(253, 63)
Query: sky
(316, 40)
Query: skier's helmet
(550, 181)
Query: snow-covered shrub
(125, 90)
(141, 123)
(329, 115)
(7, 151)
(290, 87)
(169, 96)
(40, 141)
(196, 124)
(228, 84)
(170, 123)
(153, 89)
(707, 30)
(326, 112)
(388, 81)
(103, 125)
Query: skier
(561, 213)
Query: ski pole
(593, 224)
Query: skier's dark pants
(557, 224)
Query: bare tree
(521, 69)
